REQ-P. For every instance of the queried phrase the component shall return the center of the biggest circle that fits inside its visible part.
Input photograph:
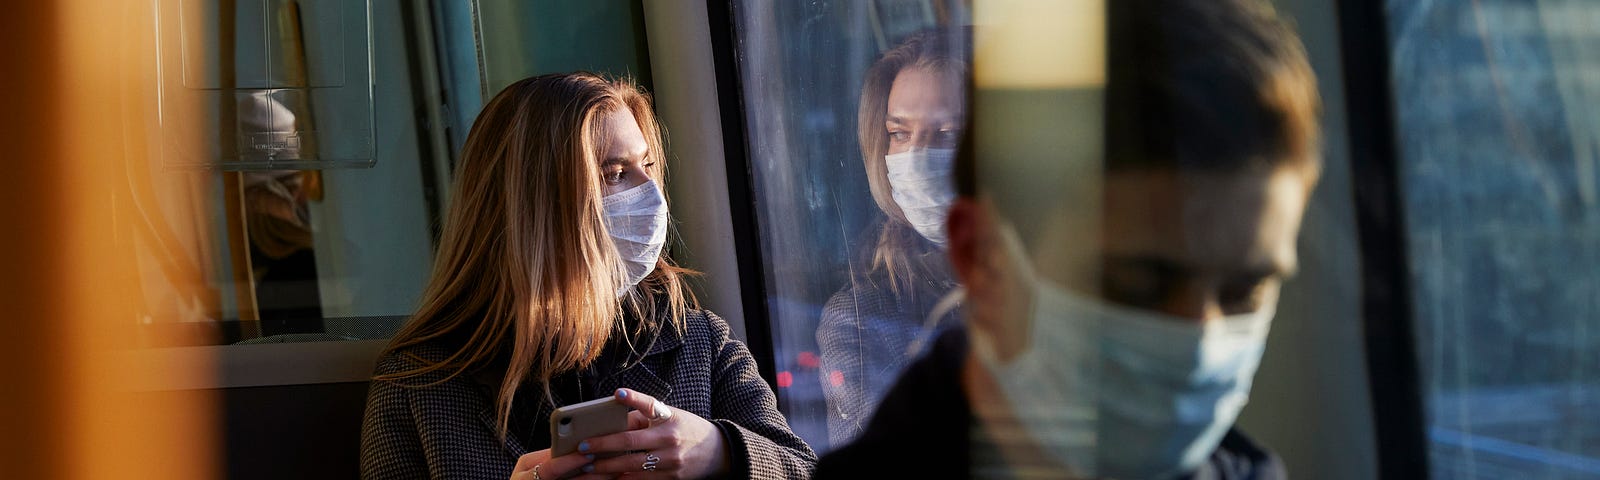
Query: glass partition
(1498, 126)
(282, 83)
(309, 178)
(852, 269)
(325, 134)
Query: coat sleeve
(390, 445)
(843, 374)
(747, 412)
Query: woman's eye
(898, 136)
(614, 178)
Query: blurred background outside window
(1498, 118)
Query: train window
(852, 266)
(273, 84)
(328, 235)
(1497, 132)
(306, 178)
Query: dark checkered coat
(866, 335)
(446, 431)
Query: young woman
(550, 288)
(909, 120)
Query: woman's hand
(663, 442)
(539, 466)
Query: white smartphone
(572, 424)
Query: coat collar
(645, 374)
(641, 373)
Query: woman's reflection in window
(910, 117)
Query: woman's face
(624, 157)
(924, 110)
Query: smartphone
(572, 424)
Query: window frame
(741, 193)
(1388, 322)
(1387, 318)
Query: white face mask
(1126, 393)
(921, 184)
(637, 221)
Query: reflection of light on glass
(1040, 79)
(1035, 44)
(808, 360)
(785, 379)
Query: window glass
(313, 219)
(853, 266)
(297, 248)
(1499, 135)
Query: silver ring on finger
(660, 411)
(536, 472)
(650, 461)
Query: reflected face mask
(1122, 392)
(637, 221)
(923, 188)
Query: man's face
(1191, 245)
(1200, 246)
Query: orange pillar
(77, 94)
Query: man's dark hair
(1198, 85)
(1207, 85)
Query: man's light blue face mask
(1109, 389)
(1120, 392)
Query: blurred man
(1122, 343)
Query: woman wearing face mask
(550, 288)
(910, 118)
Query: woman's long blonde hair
(901, 253)
(526, 272)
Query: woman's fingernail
(588, 468)
(583, 447)
(589, 456)
(622, 393)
